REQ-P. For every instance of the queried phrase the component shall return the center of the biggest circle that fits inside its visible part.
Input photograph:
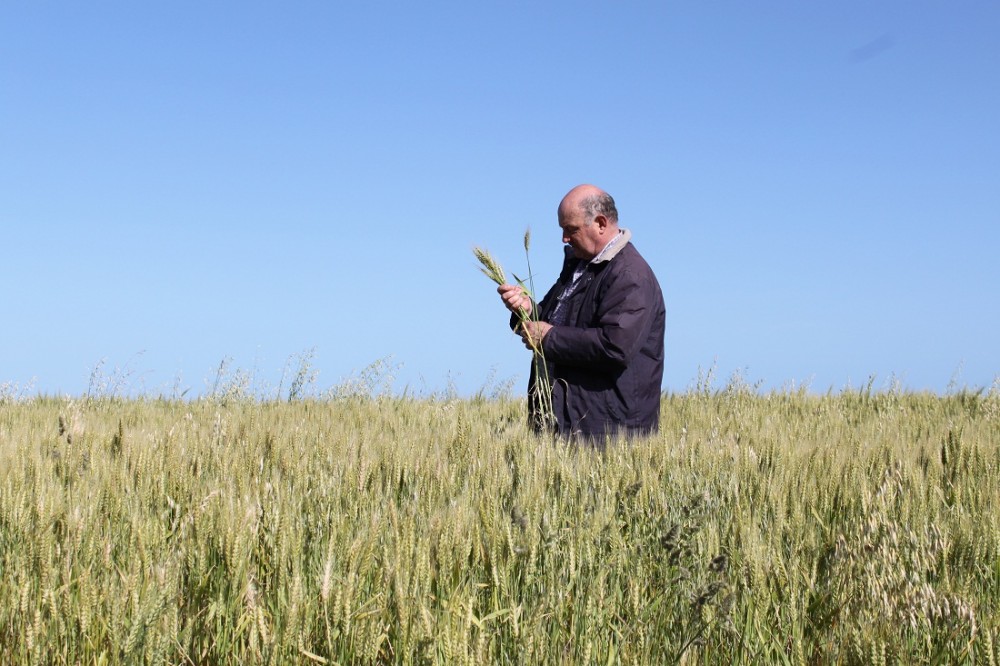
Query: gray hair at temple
(600, 204)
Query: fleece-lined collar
(608, 253)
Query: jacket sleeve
(623, 319)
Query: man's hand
(533, 332)
(515, 298)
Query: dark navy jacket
(606, 362)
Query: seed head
(490, 267)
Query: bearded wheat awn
(541, 393)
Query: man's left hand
(533, 332)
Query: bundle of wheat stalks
(541, 391)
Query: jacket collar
(625, 237)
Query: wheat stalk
(542, 390)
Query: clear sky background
(816, 184)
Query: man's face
(585, 239)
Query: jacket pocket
(621, 400)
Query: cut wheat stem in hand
(541, 391)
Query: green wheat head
(490, 267)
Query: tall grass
(858, 527)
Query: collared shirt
(558, 317)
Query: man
(600, 327)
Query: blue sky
(815, 184)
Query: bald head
(590, 201)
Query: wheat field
(857, 527)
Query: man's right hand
(515, 298)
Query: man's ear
(601, 221)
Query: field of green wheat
(859, 527)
